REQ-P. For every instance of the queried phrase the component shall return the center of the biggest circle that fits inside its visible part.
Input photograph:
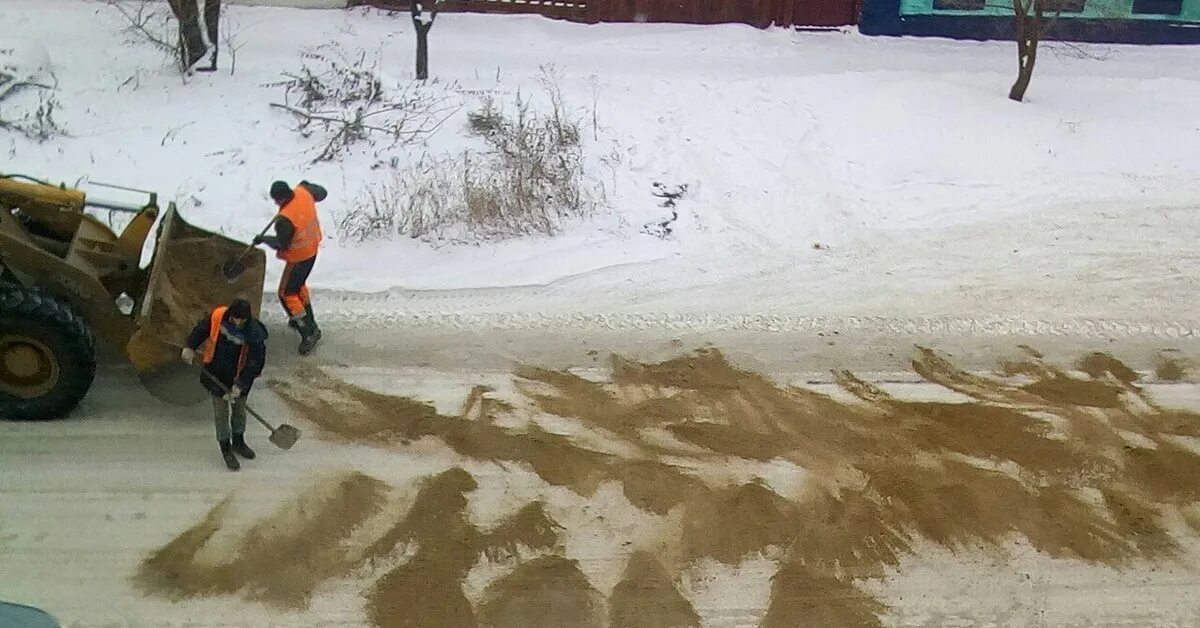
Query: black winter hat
(239, 308)
(280, 191)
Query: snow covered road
(95, 510)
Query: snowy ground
(929, 193)
(945, 214)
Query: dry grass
(529, 178)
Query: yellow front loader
(68, 280)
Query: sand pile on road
(281, 559)
(1048, 459)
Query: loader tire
(47, 356)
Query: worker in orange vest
(232, 348)
(296, 240)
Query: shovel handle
(258, 417)
(239, 256)
(225, 390)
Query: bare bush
(19, 80)
(37, 123)
(486, 119)
(147, 21)
(528, 179)
(340, 100)
(662, 229)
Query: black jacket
(284, 229)
(225, 360)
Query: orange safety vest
(214, 334)
(301, 211)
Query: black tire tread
(76, 346)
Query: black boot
(296, 323)
(241, 448)
(231, 460)
(310, 335)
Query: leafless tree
(197, 33)
(422, 19)
(1032, 19)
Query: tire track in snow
(467, 309)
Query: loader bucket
(184, 284)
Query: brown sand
(1100, 365)
(1171, 370)
(857, 387)
(647, 598)
(1015, 460)
(280, 560)
(436, 519)
(657, 488)
(848, 536)
(171, 571)
(806, 598)
(736, 522)
(1177, 422)
(421, 593)
(1167, 474)
(480, 407)
(1143, 521)
(189, 282)
(546, 591)
(530, 527)
(284, 557)
(427, 590)
(731, 440)
(349, 413)
(984, 431)
(1078, 392)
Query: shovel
(282, 437)
(174, 384)
(234, 267)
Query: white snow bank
(926, 190)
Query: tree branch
(139, 23)
(7, 89)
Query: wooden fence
(760, 13)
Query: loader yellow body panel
(51, 245)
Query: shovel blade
(285, 436)
(177, 384)
(233, 269)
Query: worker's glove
(257, 240)
(188, 355)
(234, 393)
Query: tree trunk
(1029, 18)
(1024, 76)
(422, 22)
(191, 38)
(423, 51)
(212, 21)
